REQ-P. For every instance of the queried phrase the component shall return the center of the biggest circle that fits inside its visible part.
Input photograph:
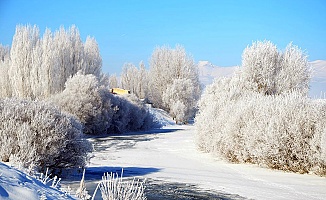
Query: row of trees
(60, 69)
(100, 111)
(262, 114)
(171, 83)
(52, 91)
(38, 67)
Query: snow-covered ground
(170, 154)
(15, 184)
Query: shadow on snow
(126, 140)
(135, 133)
(96, 173)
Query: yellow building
(119, 91)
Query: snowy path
(170, 155)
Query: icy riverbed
(168, 159)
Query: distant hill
(208, 72)
(318, 80)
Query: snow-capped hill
(205, 68)
(318, 80)
(319, 69)
(208, 72)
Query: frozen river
(174, 169)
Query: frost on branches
(38, 67)
(262, 114)
(98, 110)
(36, 133)
(171, 71)
(134, 79)
(58, 68)
(179, 97)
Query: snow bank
(161, 117)
(15, 184)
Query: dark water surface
(158, 190)
(162, 190)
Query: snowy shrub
(82, 192)
(255, 117)
(88, 102)
(113, 187)
(281, 132)
(177, 111)
(100, 111)
(130, 114)
(36, 133)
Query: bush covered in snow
(100, 111)
(88, 102)
(257, 118)
(130, 114)
(36, 133)
(112, 186)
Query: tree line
(171, 82)
(53, 90)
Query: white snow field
(15, 184)
(170, 154)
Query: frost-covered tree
(135, 79)
(273, 72)
(262, 114)
(88, 102)
(295, 72)
(100, 111)
(39, 67)
(69, 54)
(36, 133)
(180, 98)
(5, 86)
(113, 81)
(93, 59)
(143, 81)
(129, 77)
(21, 56)
(167, 65)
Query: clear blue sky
(217, 30)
